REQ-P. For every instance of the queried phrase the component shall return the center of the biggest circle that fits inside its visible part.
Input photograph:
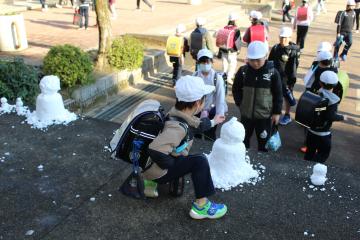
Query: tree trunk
(104, 25)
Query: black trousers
(262, 129)
(177, 68)
(357, 12)
(301, 35)
(286, 13)
(318, 147)
(198, 167)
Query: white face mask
(205, 67)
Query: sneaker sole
(195, 215)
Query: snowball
(227, 160)
(319, 174)
(40, 167)
(92, 199)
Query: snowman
(20, 109)
(5, 107)
(318, 177)
(49, 105)
(228, 164)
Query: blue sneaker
(209, 210)
(285, 120)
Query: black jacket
(286, 61)
(346, 23)
(258, 93)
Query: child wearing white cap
(257, 91)
(285, 56)
(215, 102)
(318, 140)
(179, 61)
(229, 53)
(200, 38)
(303, 18)
(169, 151)
(258, 31)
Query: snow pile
(49, 105)
(21, 110)
(318, 177)
(228, 162)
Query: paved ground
(281, 206)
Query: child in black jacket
(318, 140)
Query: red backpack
(258, 33)
(225, 37)
(302, 14)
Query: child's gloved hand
(219, 119)
(204, 114)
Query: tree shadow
(57, 24)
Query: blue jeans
(84, 12)
(42, 2)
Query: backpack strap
(270, 67)
(182, 122)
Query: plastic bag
(274, 142)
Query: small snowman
(5, 107)
(318, 177)
(227, 160)
(20, 109)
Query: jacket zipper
(256, 78)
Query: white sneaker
(58, 6)
(153, 8)
(357, 31)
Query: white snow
(29, 232)
(5, 106)
(21, 110)
(318, 177)
(40, 167)
(7, 154)
(92, 199)
(77, 196)
(49, 106)
(228, 162)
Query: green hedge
(18, 80)
(126, 53)
(71, 64)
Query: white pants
(229, 61)
(321, 6)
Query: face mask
(205, 67)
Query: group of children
(259, 89)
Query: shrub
(18, 80)
(126, 53)
(71, 64)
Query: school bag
(258, 33)
(197, 42)
(310, 109)
(174, 46)
(302, 14)
(338, 16)
(76, 18)
(225, 37)
(131, 142)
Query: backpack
(131, 141)
(174, 46)
(258, 33)
(197, 42)
(302, 13)
(338, 16)
(225, 37)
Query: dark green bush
(18, 80)
(126, 53)
(71, 64)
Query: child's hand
(219, 119)
(275, 119)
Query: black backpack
(197, 42)
(338, 16)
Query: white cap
(255, 14)
(324, 55)
(286, 32)
(180, 28)
(233, 16)
(190, 89)
(324, 46)
(351, 3)
(257, 50)
(204, 53)
(329, 77)
(200, 21)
